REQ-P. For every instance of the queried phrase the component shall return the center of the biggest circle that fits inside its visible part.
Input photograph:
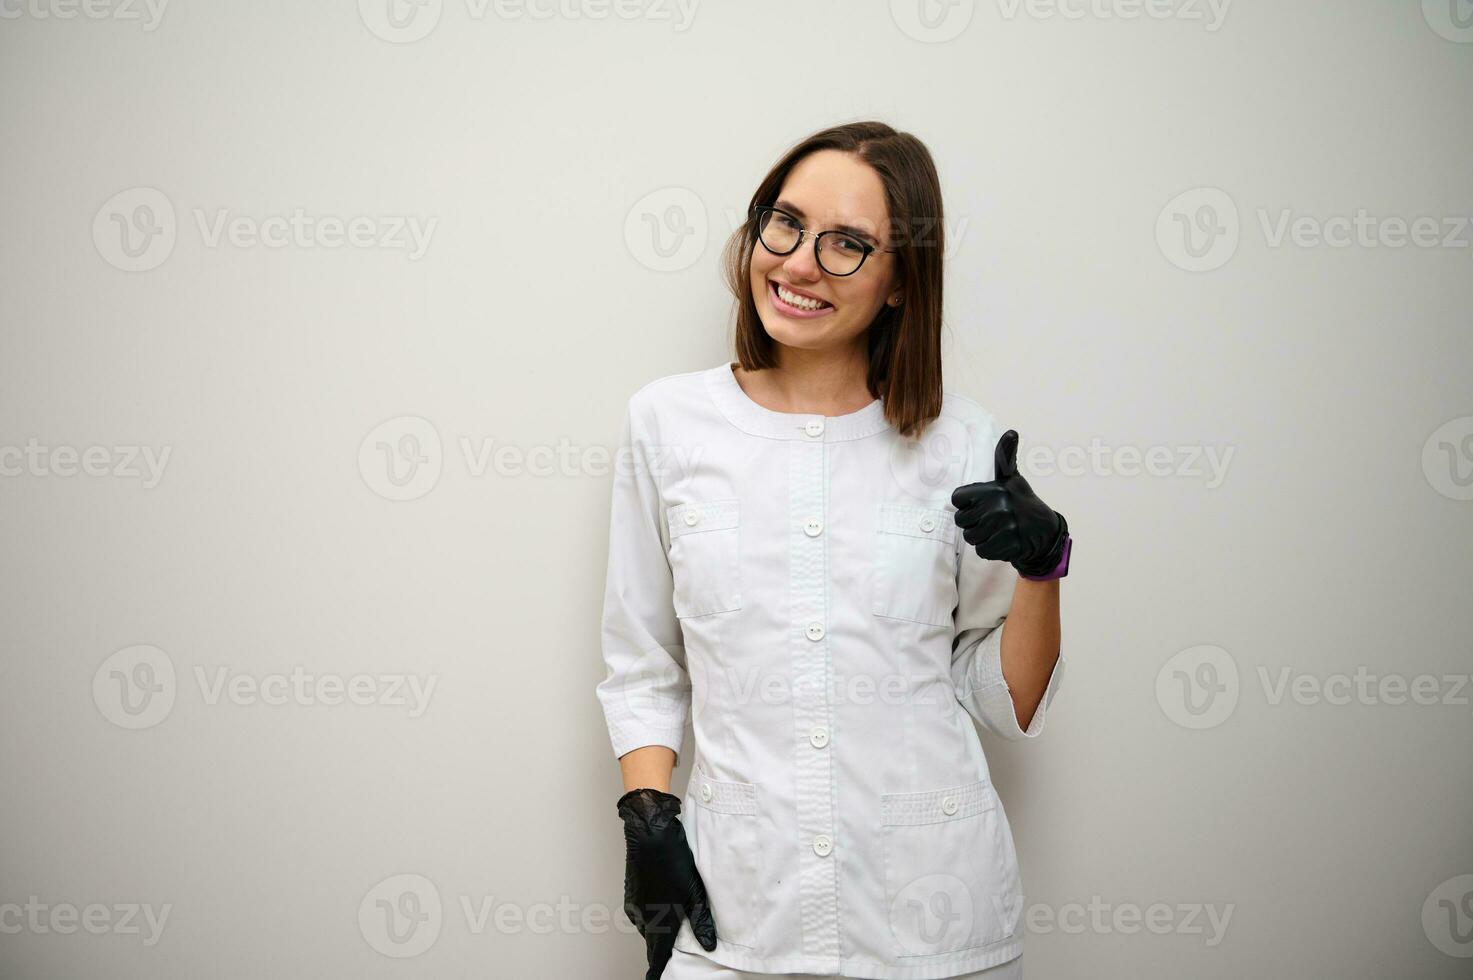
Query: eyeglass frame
(757, 209)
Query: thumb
(698, 911)
(1005, 456)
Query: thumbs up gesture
(1004, 519)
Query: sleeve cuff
(989, 700)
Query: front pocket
(915, 564)
(951, 874)
(705, 556)
(728, 854)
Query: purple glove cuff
(1060, 570)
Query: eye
(850, 245)
(785, 221)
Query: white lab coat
(796, 587)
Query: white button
(812, 526)
(814, 427)
(706, 792)
(691, 516)
(822, 844)
(815, 631)
(948, 805)
(928, 523)
(819, 737)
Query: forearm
(1030, 644)
(649, 765)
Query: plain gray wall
(1117, 283)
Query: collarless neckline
(747, 415)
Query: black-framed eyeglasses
(839, 253)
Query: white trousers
(693, 966)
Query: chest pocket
(915, 564)
(705, 557)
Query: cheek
(762, 264)
(858, 298)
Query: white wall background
(525, 140)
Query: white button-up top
(796, 585)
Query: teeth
(802, 302)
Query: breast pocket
(915, 564)
(951, 873)
(728, 854)
(705, 557)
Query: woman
(831, 565)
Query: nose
(802, 263)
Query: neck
(818, 382)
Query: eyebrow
(797, 212)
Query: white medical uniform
(796, 588)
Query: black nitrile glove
(1004, 519)
(661, 883)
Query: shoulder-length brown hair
(904, 340)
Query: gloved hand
(661, 883)
(1004, 519)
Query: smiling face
(827, 189)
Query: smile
(794, 305)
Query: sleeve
(646, 692)
(984, 596)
